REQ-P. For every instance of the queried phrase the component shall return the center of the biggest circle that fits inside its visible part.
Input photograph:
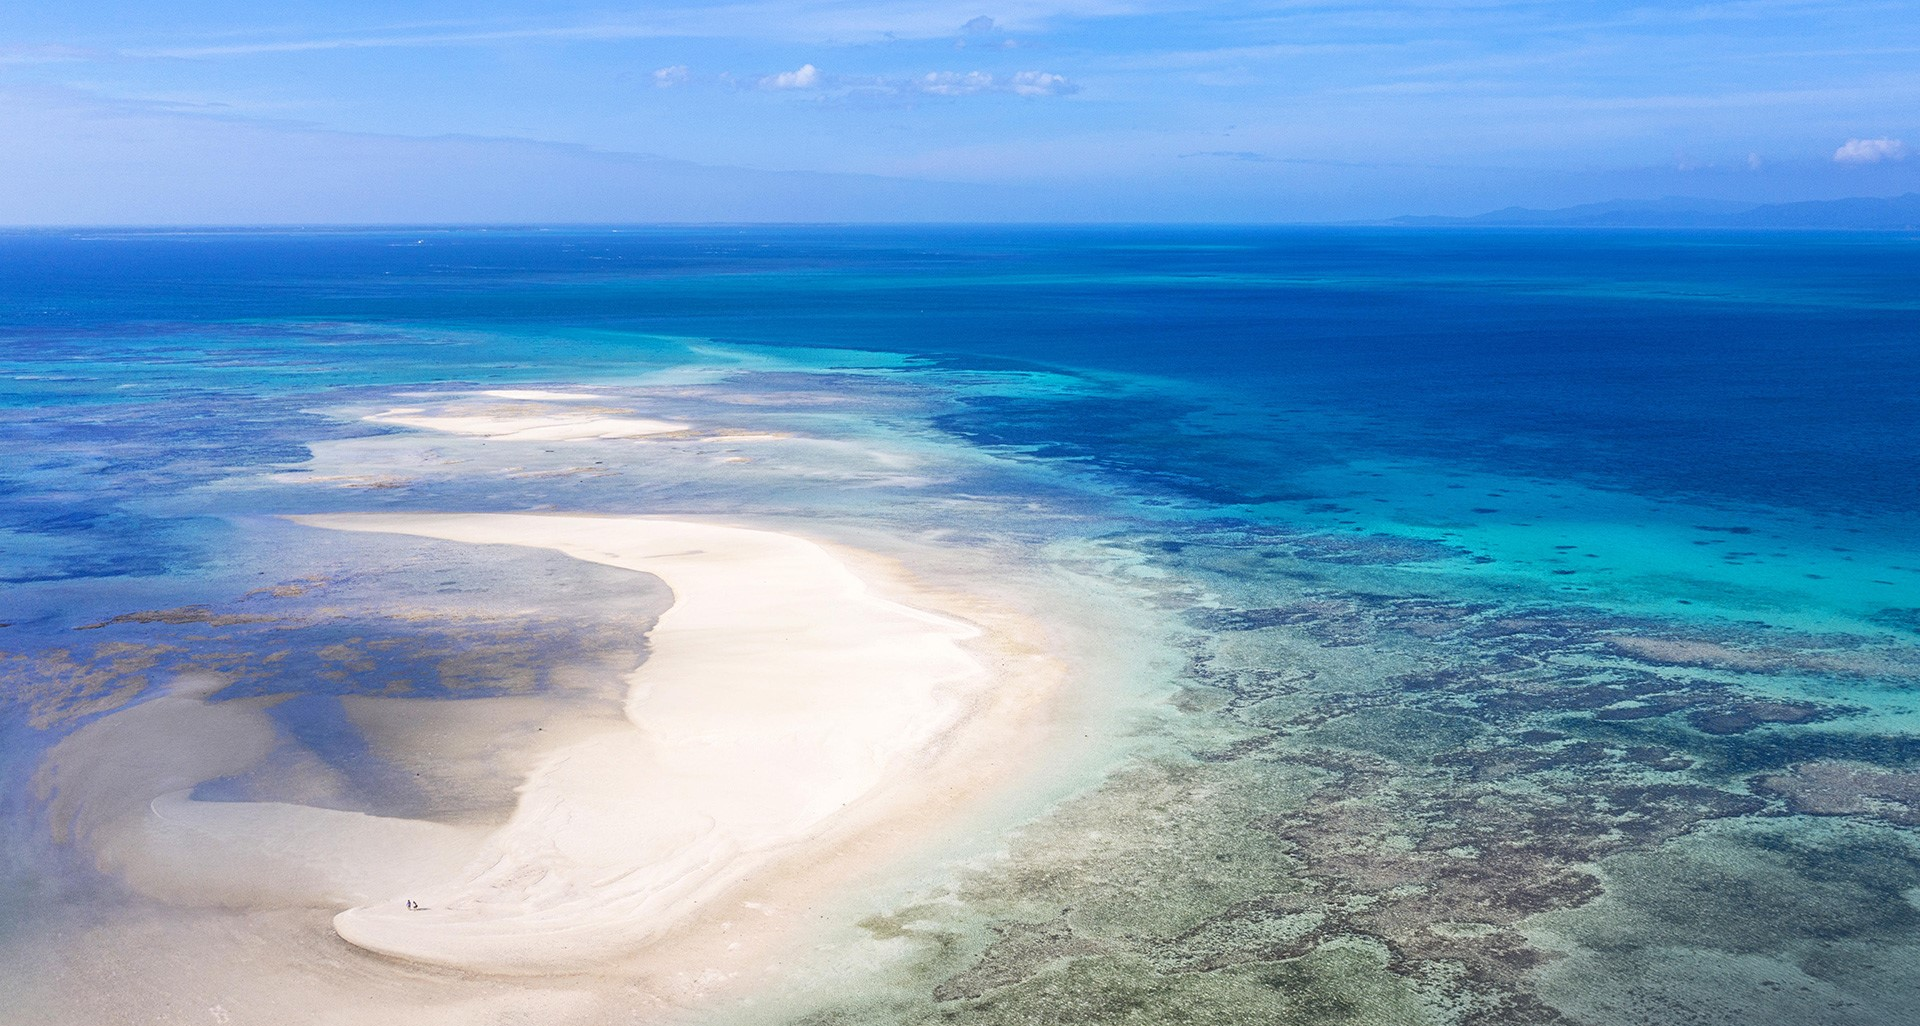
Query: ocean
(1535, 613)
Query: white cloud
(1870, 151)
(1040, 83)
(667, 78)
(954, 83)
(969, 83)
(806, 76)
(933, 83)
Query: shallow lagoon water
(1542, 605)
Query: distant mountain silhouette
(1682, 212)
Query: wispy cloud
(813, 20)
(1256, 157)
(933, 83)
(968, 83)
(954, 83)
(1262, 53)
(984, 31)
(667, 78)
(405, 40)
(1870, 151)
(51, 54)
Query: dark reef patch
(1837, 788)
(1373, 768)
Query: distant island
(1897, 212)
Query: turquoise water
(1517, 576)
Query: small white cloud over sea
(667, 78)
(954, 83)
(806, 76)
(969, 83)
(1040, 83)
(1870, 151)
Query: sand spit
(802, 737)
(529, 424)
(802, 740)
(779, 692)
(543, 395)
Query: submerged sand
(780, 694)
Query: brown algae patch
(60, 685)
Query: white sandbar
(779, 691)
(543, 395)
(561, 425)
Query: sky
(434, 111)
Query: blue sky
(487, 110)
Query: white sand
(541, 395)
(778, 692)
(530, 425)
(794, 755)
(790, 732)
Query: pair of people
(413, 905)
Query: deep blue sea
(1549, 600)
